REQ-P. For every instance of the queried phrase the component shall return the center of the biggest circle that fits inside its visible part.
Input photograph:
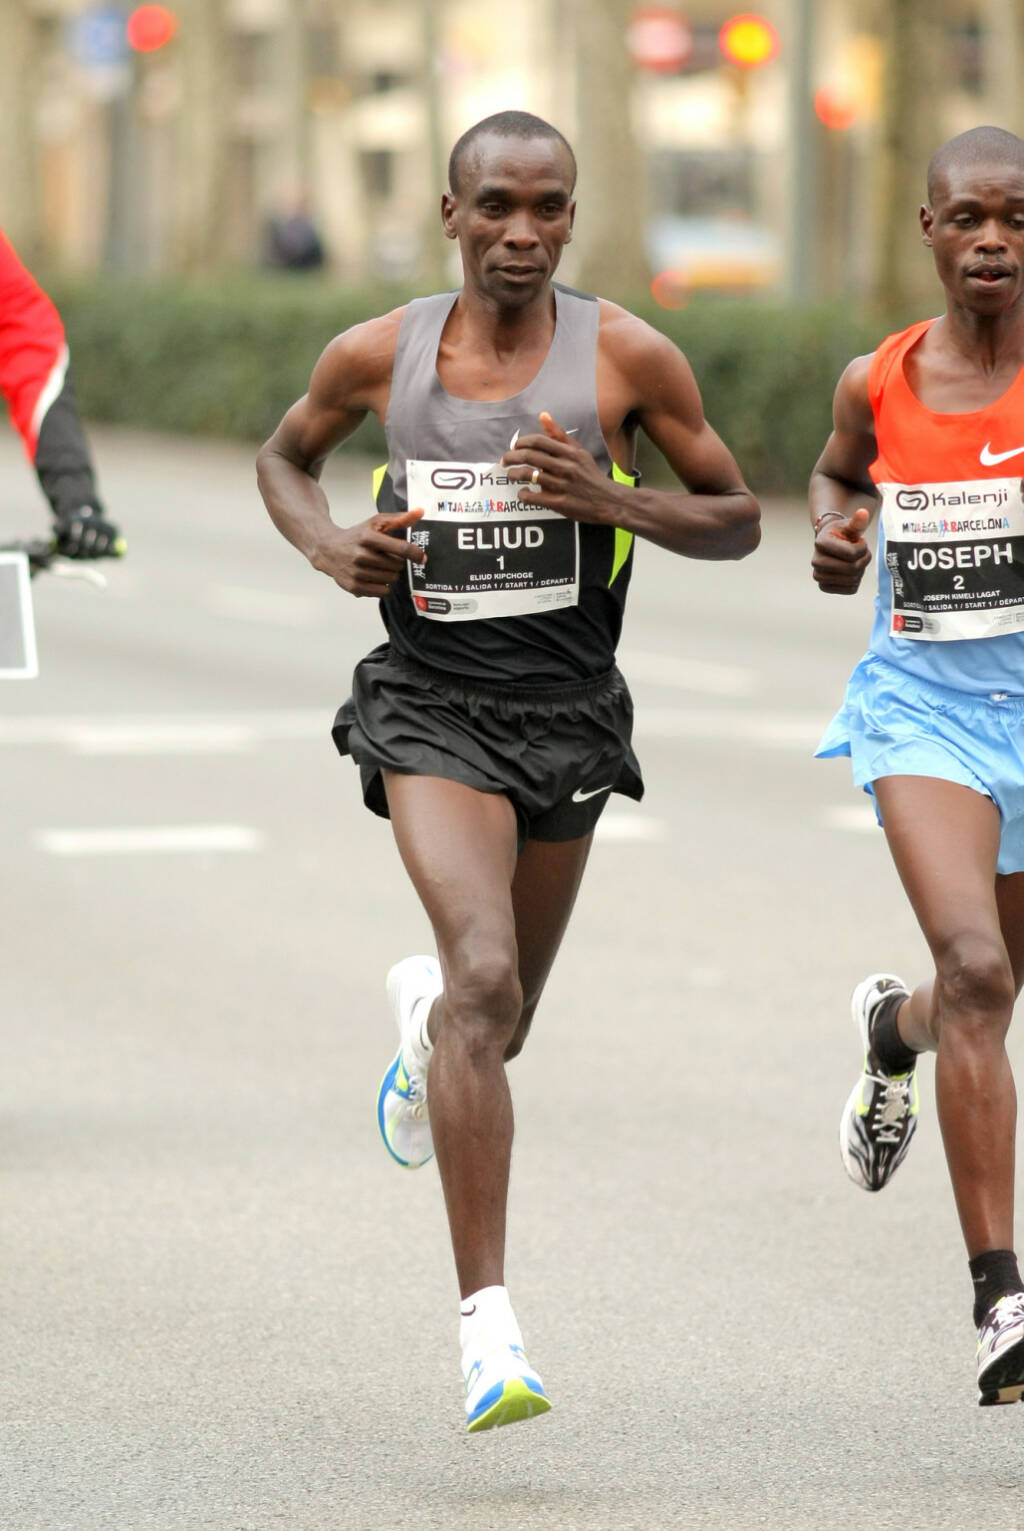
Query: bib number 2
(955, 555)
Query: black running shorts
(556, 752)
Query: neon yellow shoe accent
(518, 1401)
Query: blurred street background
(222, 1307)
(212, 189)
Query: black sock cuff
(995, 1274)
(886, 1043)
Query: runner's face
(511, 216)
(976, 230)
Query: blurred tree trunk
(433, 268)
(19, 201)
(292, 170)
(612, 216)
(203, 212)
(918, 68)
(1002, 62)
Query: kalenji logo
(912, 499)
(453, 478)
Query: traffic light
(150, 27)
(748, 41)
(835, 109)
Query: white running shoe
(1001, 1352)
(501, 1388)
(880, 1117)
(402, 1097)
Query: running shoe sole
(506, 1404)
(386, 1085)
(851, 1163)
(1003, 1381)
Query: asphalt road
(222, 1305)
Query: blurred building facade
(781, 175)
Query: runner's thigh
(459, 849)
(944, 839)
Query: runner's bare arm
(645, 381)
(351, 378)
(842, 494)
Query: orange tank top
(916, 445)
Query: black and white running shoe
(1001, 1352)
(880, 1116)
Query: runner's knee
(975, 986)
(483, 998)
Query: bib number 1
(488, 555)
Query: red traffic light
(749, 41)
(835, 110)
(659, 39)
(150, 27)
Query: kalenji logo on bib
(912, 499)
(453, 478)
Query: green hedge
(228, 358)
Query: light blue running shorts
(892, 724)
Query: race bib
(955, 554)
(488, 555)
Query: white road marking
(276, 608)
(644, 666)
(858, 818)
(630, 826)
(191, 733)
(166, 733)
(768, 730)
(143, 839)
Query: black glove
(85, 533)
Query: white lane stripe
(143, 839)
(770, 730)
(645, 667)
(175, 733)
(858, 818)
(149, 732)
(274, 607)
(164, 739)
(629, 826)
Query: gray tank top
(572, 590)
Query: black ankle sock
(886, 1043)
(995, 1275)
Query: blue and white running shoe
(501, 1388)
(402, 1097)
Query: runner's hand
(86, 533)
(570, 480)
(841, 555)
(366, 559)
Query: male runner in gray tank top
(492, 726)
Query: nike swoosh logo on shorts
(990, 458)
(579, 796)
